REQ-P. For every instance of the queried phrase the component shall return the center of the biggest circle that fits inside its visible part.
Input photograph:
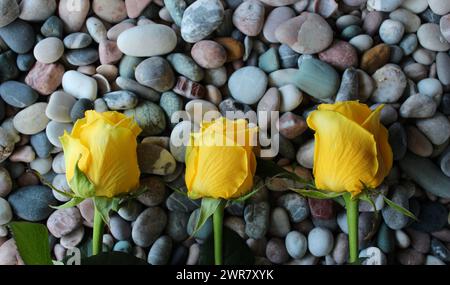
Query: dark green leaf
(84, 187)
(113, 258)
(207, 209)
(317, 194)
(399, 208)
(235, 250)
(32, 242)
(72, 203)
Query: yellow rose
(351, 147)
(105, 146)
(220, 162)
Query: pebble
(403, 240)
(296, 244)
(276, 251)
(430, 37)
(248, 84)
(430, 87)
(41, 144)
(200, 19)
(436, 128)
(73, 238)
(96, 29)
(64, 221)
(18, 36)
(73, 18)
(320, 242)
(17, 94)
(276, 17)
(112, 11)
(45, 78)
(149, 116)
(154, 159)
(340, 250)
(384, 5)
(249, 17)
(24, 62)
(6, 214)
(390, 83)
(59, 106)
(140, 41)
(418, 143)
(156, 195)
(82, 57)
(279, 223)
(391, 31)
(340, 55)
(130, 211)
(209, 54)
(308, 33)
(432, 260)
(420, 241)
(290, 98)
(410, 257)
(160, 251)
(5, 182)
(204, 232)
(432, 217)
(49, 50)
(9, 9)
(32, 119)
(257, 219)
(177, 225)
(394, 219)
(80, 107)
(442, 64)
(9, 254)
(411, 22)
(155, 73)
(55, 130)
(444, 25)
(73, 79)
(439, 7)
(186, 66)
(424, 56)
(120, 229)
(418, 106)
(362, 42)
(53, 27)
(120, 100)
(148, 226)
(415, 6)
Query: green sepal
(207, 209)
(105, 205)
(400, 209)
(84, 188)
(317, 194)
(48, 184)
(71, 203)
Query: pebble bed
(152, 58)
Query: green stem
(352, 221)
(218, 227)
(97, 239)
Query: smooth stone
(276, 251)
(217, 76)
(156, 195)
(282, 77)
(45, 78)
(41, 144)
(79, 109)
(385, 238)
(140, 41)
(204, 232)
(82, 57)
(444, 106)
(418, 106)
(418, 142)
(410, 257)
(55, 130)
(199, 110)
(176, 10)
(138, 89)
(410, 21)
(23, 154)
(6, 183)
(130, 211)
(31, 203)
(317, 78)
(269, 103)
(120, 100)
(415, 71)
(19, 36)
(439, 250)
(320, 242)
(390, 84)
(351, 32)
(6, 214)
(96, 29)
(290, 98)
(288, 57)
(269, 61)
(349, 89)
(9, 254)
(347, 20)
(402, 239)
(150, 118)
(53, 27)
(17, 94)
(160, 251)
(123, 246)
(393, 219)
(440, 7)
(60, 183)
(375, 58)
(430, 87)
(432, 217)
(257, 219)
(372, 22)
(148, 226)
(120, 229)
(32, 119)
(186, 66)
(442, 68)
(436, 128)
(71, 82)
(209, 54)
(430, 17)
(432, 260)
(444, 24)
(114, 32)
(8, 66)
(340, 55)
(384, 5)
(409, 44)
(420, 241)
(171, 103)
(305, 154)
(424, 56)
(200, 19)
(154, 159)
(391, 31)
(249, 17)
(295, 205)
(49, 50)
(415, 6)
(430, 37)
(9, 11)
(64, 221)
(109, 52)
(213, 94)
(25, 62)
(73, 14)
(362, 42)
(59, 106)
(302, 33)
(112, 11)
(275, 18)
(296, 244)
(279, 223)
(291, 125)
(177, 225)
(155, 73)
(36, 11)
(340, 250)
(248, 84)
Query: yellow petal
(217, 171)
(74, 151)
(114, 169)
(345, 153)
(353, 110)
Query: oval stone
(18, 94)
(32, 119)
